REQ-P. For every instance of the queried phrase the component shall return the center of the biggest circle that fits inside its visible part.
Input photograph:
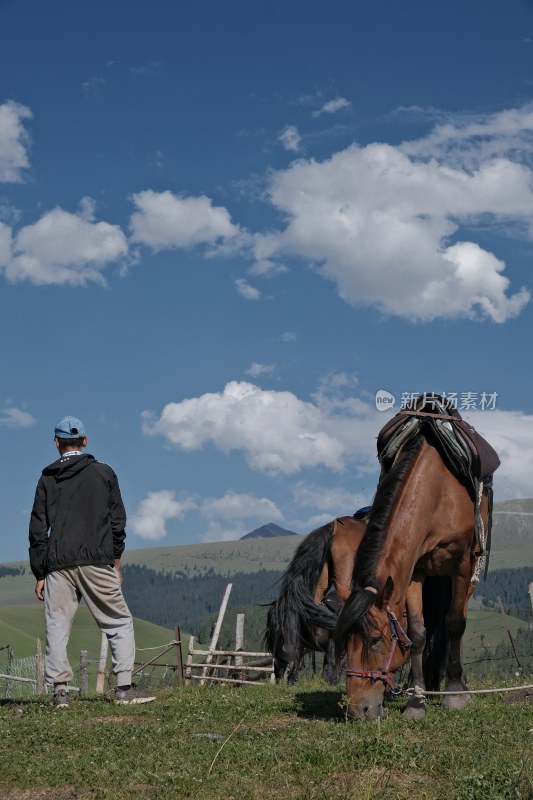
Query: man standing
(76, 541)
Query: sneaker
(61, 699)
(126, 696)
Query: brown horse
(418, 557)
(315, 584)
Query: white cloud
(267, 269)
(511, 435)
(221, 533)
(255, 370)
(5, 245)
(15, 418)
(232, 515)
(93, 86)
(384, 223)
(14, 141)
(247, 291)
(470, 141)
(64, 248)
(164, 220)
(234, 506)
(290, 138)
(327, 503)
(332, 501)
(150, 520)
(332, 106)
(276, 431)
(334, 384)
(288, 336)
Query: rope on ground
(417, 691)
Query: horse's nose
(366, 710)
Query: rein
(399, 639)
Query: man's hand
(39, 590)
(119, 573)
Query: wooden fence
(211, 665)
(227, 666)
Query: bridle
(399, 639)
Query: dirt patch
(71, 793)
(522, 696)
(347, 784)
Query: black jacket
(78, 516)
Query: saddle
(465, 452)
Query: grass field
(261, 743)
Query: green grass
(263, 743)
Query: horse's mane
(376, 529)
(293, 615)
(354, 615)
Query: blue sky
(224, 227)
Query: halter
(398, 638)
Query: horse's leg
(323, 584)
(344, 543)
(415, 706)
(462, 589)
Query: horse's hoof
(456, 701)
(414, 710)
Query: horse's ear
(384, 595)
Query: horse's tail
(436, 597)
(293, 616)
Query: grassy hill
(487, 628)
(192, 570)
(512, 546)
(21, 625)
(512, 534)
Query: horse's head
(376, 647)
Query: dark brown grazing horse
(418, 556)
(315, 584)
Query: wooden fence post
(239, 643)
(84, 672)
(100, 679)
(506, 626)
(179, 655)
(216, 633)
(9, 669)
(188, 670)
(39, 670)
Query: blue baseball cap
(69, 428)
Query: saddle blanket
(465, 451)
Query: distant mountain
(267, 531)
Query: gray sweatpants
(100, 589)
